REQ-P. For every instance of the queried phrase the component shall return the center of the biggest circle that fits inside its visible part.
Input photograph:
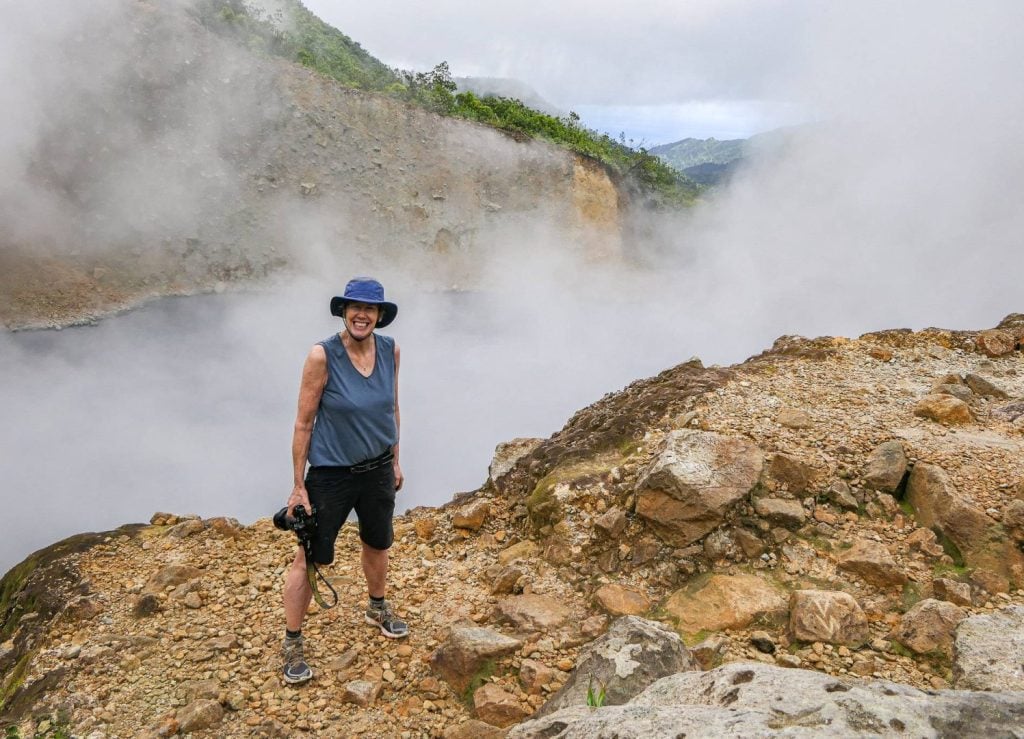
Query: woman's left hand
(399, 478)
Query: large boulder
(828, 616)
(886, 466)
(498, 707)
(988, 651)
(507, 454)
(694, 482)
(726, 602)
(757, 700)
(472, 515)
(170, 576)
(619, 600)
(780, 511)
(791, 472)
(631, 655)
(938, 505)
(532, 612)
(928, 626)
(200, 715)
(983, 387)
(873, 562)
(945, 409)
(996, 342)
(467, 649)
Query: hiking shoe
(295, 668)
(390, 625)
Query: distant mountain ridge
(692, 152)
(711, 161)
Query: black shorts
(335, 492)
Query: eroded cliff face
(189, 164)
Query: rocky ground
(844, 506)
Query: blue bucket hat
(365, 290)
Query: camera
(302, 523)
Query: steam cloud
(899, 208)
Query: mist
(897, 208)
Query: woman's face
(361, 319)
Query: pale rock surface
(872, 562)
(996, 342)
(534, 675)
(945, 409)
(497, 707)
(988, 651)
(952, 591)
(793, 473)
(886, 466)
(507, 453)
(780, 511)
(473, 729)
(362, 693)
(794, 418)
(928, 626)
(465, 652)
(983, 387)
(200, 715)
(757, 700)
(726, 602)
(532, 612)
(612, 522)
(172, 575)
(696, 479)
(631, 655)
(710, 651)
(827, 616)
(526, 549)
(471, 516)
(619, 600)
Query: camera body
(302, 523)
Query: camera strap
(312, 573)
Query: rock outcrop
(694, 482)
(989, 651)
(630, 656)
(760, 700)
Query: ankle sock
(376, 602)
(288, 634)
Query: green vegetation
(14, 678)
(896, 648)
(595, 699)
(958, 572)
(950, 548)
(300, 36)
(435, 90)
(12, 609)
(480, 677)
(910, 596)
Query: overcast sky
(658, 70)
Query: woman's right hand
(299, 496)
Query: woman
(347, 429)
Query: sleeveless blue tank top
(356, 418)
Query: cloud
(596, 53)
